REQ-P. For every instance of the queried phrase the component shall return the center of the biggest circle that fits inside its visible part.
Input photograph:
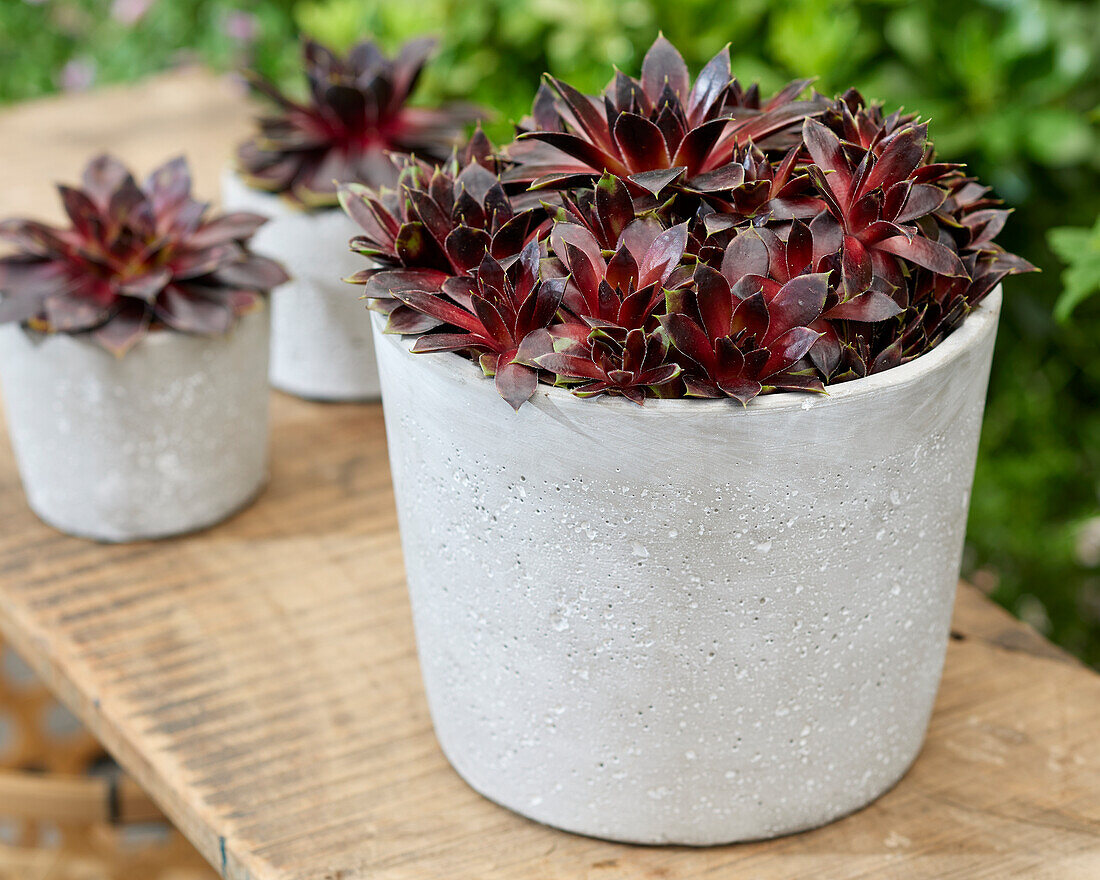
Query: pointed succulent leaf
(663, 65)
(570, 365)
(640, 143)
(466, 246)
(657, 180)
(714, 300)
(662, 256)
(856, 263)
(438, 308)
(868, 307)
(408, 322)
(750, 316)
(789, 348)
(899, 159)
(438, 342)
(622, 271)
(921, 199)
(697, 144)
(746, 254)
(691, 341)
(710, 85)
(828, 155)
(515, 382)
(930, 254)
(584, 113)
(799, 302)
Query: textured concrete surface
(321, 345)
(686, 622)
(170, 438)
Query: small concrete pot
(688, 622)
(169, 438)
(321, 347)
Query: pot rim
(289, 207)
(981, 320)
(152, 336)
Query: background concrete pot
(170, 438)
(321, 346)
(685, 622)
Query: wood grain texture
(260, 678)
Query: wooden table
(260, 680)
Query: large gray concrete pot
(686, 622)
(169, 438)
(321, 347)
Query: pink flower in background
(241, 26)
(77, 75)
(130, 12)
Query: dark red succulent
(491, 313)
(658, 131)
(355, 114)
(871, 195)
(436, 223)
(741, 330)
(794, 244)
(644, 258)
(135, 257)
(633, 367)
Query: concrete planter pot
(685, 622)
(170, 438)
(321, 347)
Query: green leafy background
(1010, 86)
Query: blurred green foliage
(1011, 87)
(1079, 249)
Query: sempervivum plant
(692, 240)
(355, 113)
(135, 257)
(661, 131)
(434, 227)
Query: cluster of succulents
(678, 239)
(355, 114)
(135, 257)
(139, 257)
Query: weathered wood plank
(260, 679)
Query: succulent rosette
(135, 258)
(671, 238)
(661, 131)
(356, 113)
(434, 228)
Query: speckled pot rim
(979, 322)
